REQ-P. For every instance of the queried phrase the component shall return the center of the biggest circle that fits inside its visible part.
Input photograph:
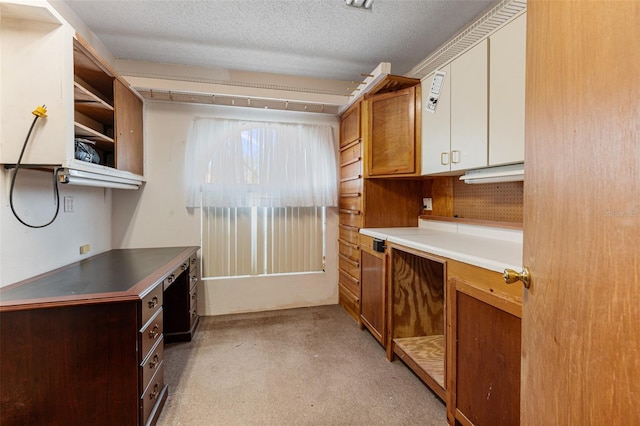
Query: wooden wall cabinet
(373, 286)
(46, 63)
(392, 146)
(365, 202)
(483, 365)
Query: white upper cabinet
(506, 93)
(436, 127)
(454, 137)
(469, 105)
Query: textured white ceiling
(309, 38)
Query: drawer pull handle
(184, 266)
(194, 279)
(194, 314)
(153, 333)
(152, 364)
(153, 302)
(171, 278)
(193, 261)
(154, 394)
(193, 296)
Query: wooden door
(581, 316)
(129, 130)
(391, 148)
(373, 291)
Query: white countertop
(491, 248)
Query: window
(262, 189)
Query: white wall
(26, 252)
(157, 216)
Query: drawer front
(349, 234)
(350, 302)
(151, 395)
(351, 219)
(151, 303)
(352, 283)
(351, 171)
(193, 277)
(194, 315)
(350, 267)
(353, 186)
(151, 363)
(349, 250)
(351, 203)
(151, 333)
(193, 297)
(351, 154)
(175, 274)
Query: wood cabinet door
(373, 289)
(391, 148)
(350, 125)
(581, 342)
(129, 131)
(487, 363)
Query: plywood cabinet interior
(416, 315)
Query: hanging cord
(38, 112)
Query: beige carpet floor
(307, 366)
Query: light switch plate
(427, 203)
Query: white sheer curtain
(233, 163)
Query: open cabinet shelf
(427, 352)
(416, 315)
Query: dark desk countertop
(112, 272)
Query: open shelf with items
(45, 62)
(416, 315)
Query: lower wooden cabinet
(485, 348)
(373, 289)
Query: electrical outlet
(68, 204)
(427, 203)
(84, 249)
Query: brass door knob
(510, 276)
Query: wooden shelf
(426, 355)
(91, 105)
(97, 137)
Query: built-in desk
(83, 344)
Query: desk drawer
(151, 363)
(151, 303)
(152, 394)
(151, 333)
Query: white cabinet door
(469, 108)
(506, 97)
(436, 127)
